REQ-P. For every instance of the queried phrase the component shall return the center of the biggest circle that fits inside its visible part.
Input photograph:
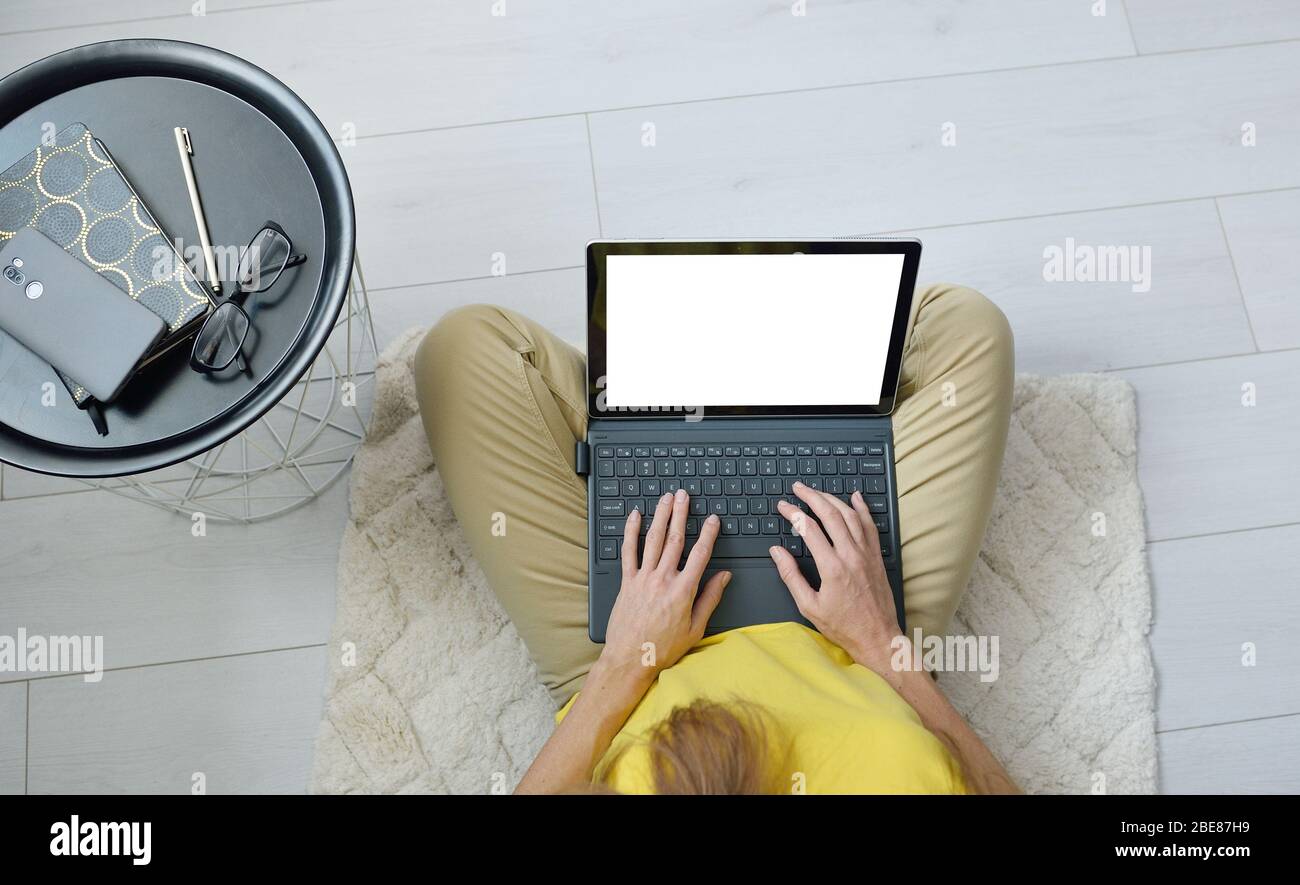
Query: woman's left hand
(657, 616)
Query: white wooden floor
(523, 135)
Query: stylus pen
(187, 150)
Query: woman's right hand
(854, 607)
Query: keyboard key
(882, 523)
(622, 452)
(732, 452)
(718, 506)
(670, 486)
(699, 507)
(857, 450)
(645, 468)
(678, 452)
(767, 451)
(789, 467)
(693, 487)
(607, 488)
(708, 467)
(749, 525)
(772, 486)
(877, 504)
(848, 465)
(608, 548)
(727, 467)
(604, 451)
(739, 506)
(852, 484)
(803, 451)
(834, 484)
(714, 451)
(685, 467)
(771, 525)
(748, 467)
(649, 487)
(758, 506)
(666, 468)
(821, 450)
(839, 449)
(767, 467)
(794, 545)
(732, 487)
(730, 525)
(874, 485)
(871, 465)
(785, 451)
(827, 466)
(753, 486)
(695, 452)
(749, 451)
(641, 451)
(876, 450)
(610, 527)
(631, 488)
(611, 508)
(638, 504)
(605, 468)
(808, 466)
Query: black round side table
(259, 154)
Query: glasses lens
(262, 261)
(221, 337)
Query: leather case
(73, 192)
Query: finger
(867, 521)
(806, 527)
(676, 540)
(803, 593)
(707, 602)
(630, 532)
(702, 549)
(830, 517)
(850, 518)
(654, 539)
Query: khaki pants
(503, 401)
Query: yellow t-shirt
(844, 729)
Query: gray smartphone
(71, 317)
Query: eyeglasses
(220, 341)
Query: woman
(775, 707)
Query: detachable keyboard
(739, 469)
(741, 484)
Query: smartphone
(71, 317)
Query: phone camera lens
(14, 275)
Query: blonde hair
(709, 748)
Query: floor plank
(1191, 310)
(447, 64)
(247, 723)
(1247, 757)
(455, 204)
(1262, 231)
(556, 298)
(1033, 142)
(1213, 595)
(1170, 25)
(38, 15)
(1207, 462)
(136, 576)
(13, 738)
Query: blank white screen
(748, 330)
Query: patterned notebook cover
(73, 193)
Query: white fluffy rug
(431, 690)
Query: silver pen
(186, 151)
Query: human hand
(854, 607)
(657, 616)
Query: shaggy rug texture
(431, 689)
